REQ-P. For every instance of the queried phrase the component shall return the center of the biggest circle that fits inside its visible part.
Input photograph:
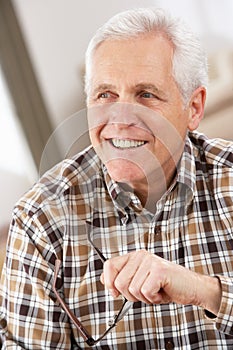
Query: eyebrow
(103, 87)
(151, 87)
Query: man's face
(136, 114)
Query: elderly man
(128, 245)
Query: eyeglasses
(126, 306)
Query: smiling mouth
(125, 144)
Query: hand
(142, 276)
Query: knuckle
(120, 284)
(134, 291)
(146, 292)
(149, 294)
(108, 264)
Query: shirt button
(158, 230)
(169, 345)
(3, 324)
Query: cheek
(178, 120)
(93, 137)
(97, 116)
(94, 134)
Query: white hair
(189, 60)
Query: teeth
(127, 143)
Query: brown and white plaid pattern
(192, 227)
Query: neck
(154, 187)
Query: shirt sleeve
(224, 319)
(30, 317)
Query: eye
(109, 95)
(147, 94)
(104, 95)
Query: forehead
(151, 51)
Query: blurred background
(42, 47)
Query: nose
(123, 113)
(117, 113)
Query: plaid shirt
(192, 226)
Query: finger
(132, 272)
(136, 286)
(142, 278)
(157, 286)
(149, 280)
(102, 278)
(151, 290)
(112, 267)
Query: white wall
(17, 168)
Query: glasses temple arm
(86, 336)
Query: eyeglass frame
(88, 339)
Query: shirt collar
(121, 198)
(186, 172)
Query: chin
(126, 172)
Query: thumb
(102, 278)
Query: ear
(196, 108)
